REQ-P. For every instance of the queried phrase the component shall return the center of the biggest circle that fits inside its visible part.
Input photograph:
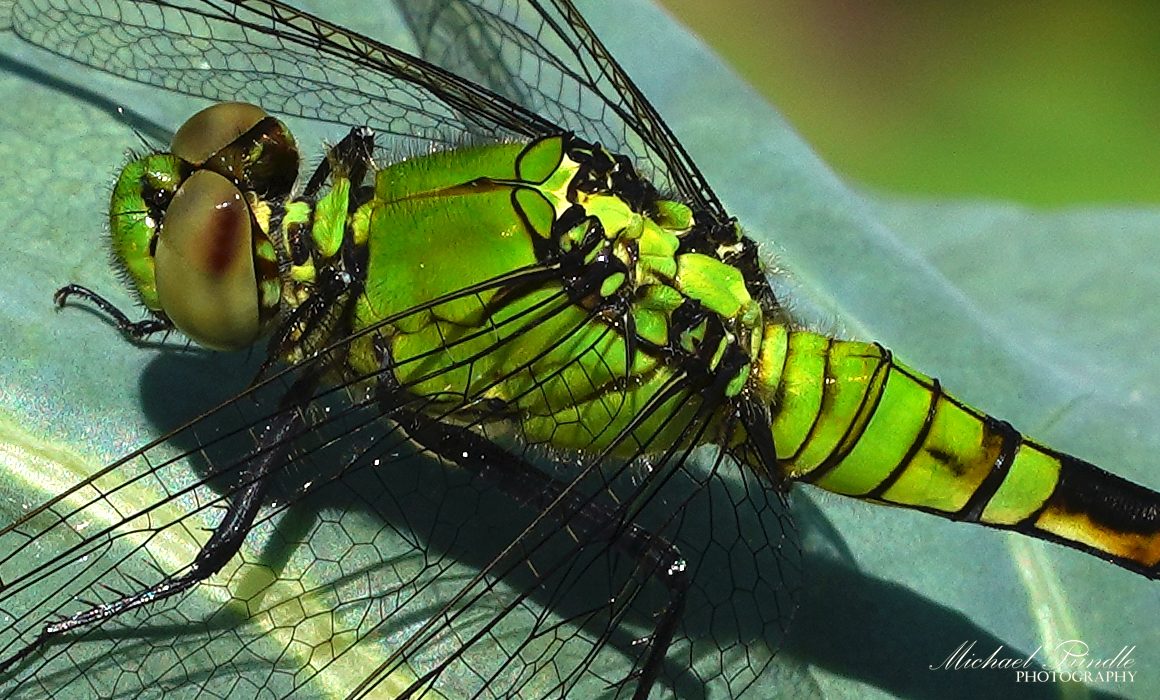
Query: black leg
(333, 288)
(133, 330)
(586, 519)
(271, 452)
(355, 153)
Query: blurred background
(1049, 104)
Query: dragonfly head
(189, 229)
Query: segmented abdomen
(849, 418)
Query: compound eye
(206, 282)
(214, 128)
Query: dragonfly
(183, 614)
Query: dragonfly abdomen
(849, 418)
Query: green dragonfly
(127, 644)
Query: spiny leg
(353, 157)
(354, 153)
(585, 518)
(135, 331)
(270, 453)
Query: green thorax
(602, 291)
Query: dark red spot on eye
(227, 223)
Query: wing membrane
(277, 57)
(494, 68)
(543, 55)
(377, 558)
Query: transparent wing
(385, 566)
(544, 56)
(493, 68)
(273, 55)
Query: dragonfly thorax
(508, 275)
